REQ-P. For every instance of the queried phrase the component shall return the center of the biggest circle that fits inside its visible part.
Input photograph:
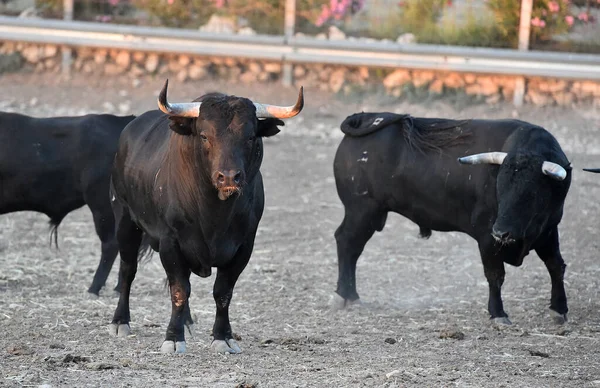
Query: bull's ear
(181, 125)
(268, 127)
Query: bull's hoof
(189, 329)
(558, 318)
(119, 330)
(501, 321)
(169, 347)
(91, 296)
(339, 303)
(228, 346)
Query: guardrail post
(290, 24)
(524, 34)
(66, 51)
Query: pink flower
(553, 6)
(103, 18)
(569, 19)
(113, 2)
(583, 17)
(537, 22)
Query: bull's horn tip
(162, 98)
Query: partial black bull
(58, 164)
(511, 201)
(187, 182)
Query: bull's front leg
(549, 251)
(227, 276)
(361, 220)
(178, 275)
(493, 268)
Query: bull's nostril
(503, 236)
(237, 177)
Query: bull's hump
(361, 124)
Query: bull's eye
(251, 140)
(203, 138)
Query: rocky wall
(338, 79)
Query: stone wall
(338, 79)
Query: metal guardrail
(303, 49)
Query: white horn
(484, 158)
(281, 112)
(186, 109)
(554, 171)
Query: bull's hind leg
(104, 222)
(361, 220)
(179, 285)
(129, 237)
(549, 252)
(493, 267)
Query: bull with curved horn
(510, 200)
(186, 182)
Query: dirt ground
(423, 321)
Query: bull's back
(427, 186)
(137, 163)
(142, 146)
(37, 165)
(47, 163)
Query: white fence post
(524, 34)
(290, 24)
(66, 51)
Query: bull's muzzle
(502, 236)
(228, 182)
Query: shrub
(83, 9)
(179, 13)
(420, 18)
(548, 18)
(267, 16)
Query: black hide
(410, 167)
(56, 165)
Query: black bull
(56, 165)
(511, 203)
(188, 182)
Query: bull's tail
(54, 223)
(145, 254)
(145, 251)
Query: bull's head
(530, 192)
(227, 132)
